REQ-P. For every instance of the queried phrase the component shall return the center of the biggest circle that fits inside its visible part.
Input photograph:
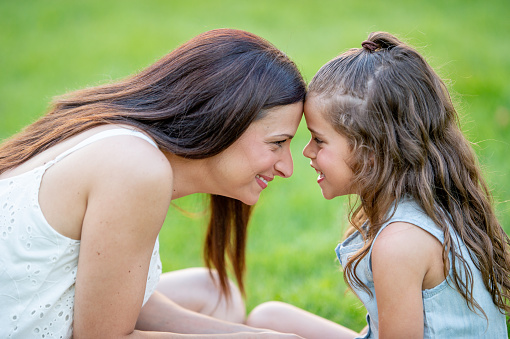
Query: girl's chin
(327, 195)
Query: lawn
(51, 47)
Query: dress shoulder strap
(100, 136)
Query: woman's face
(329, 152)
(262, 152)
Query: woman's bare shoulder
(130, 159)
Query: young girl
(425, 254)
(85, 189)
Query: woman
(93, 180)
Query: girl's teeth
(263, 180)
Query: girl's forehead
(315, 102)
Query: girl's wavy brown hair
(194, 102)
(407, 142)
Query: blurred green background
(52, 47)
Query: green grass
(51, 47)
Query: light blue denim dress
(445, 312)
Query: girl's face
(262, 152)
(329, 152)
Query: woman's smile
(262, 180)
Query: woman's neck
(189, 175)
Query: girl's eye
(317, 140)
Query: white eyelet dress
(37, 264)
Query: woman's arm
(162, 314)
(129, 191)
(402, 256)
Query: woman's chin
(249, 200)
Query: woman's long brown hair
(407, 142)
(194, 102)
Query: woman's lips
(262, 181)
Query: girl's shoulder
(411, 251)
(408, 228)
(398, 240)
(409, 211)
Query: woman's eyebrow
(285, 135)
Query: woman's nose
(284, 166)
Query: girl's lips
(262, 181)
(320, 177)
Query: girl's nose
(308, 151)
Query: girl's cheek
(322, 156)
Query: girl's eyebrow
(314, 131)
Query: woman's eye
(279, 142)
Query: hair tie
(370, 45)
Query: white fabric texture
(37, 264)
